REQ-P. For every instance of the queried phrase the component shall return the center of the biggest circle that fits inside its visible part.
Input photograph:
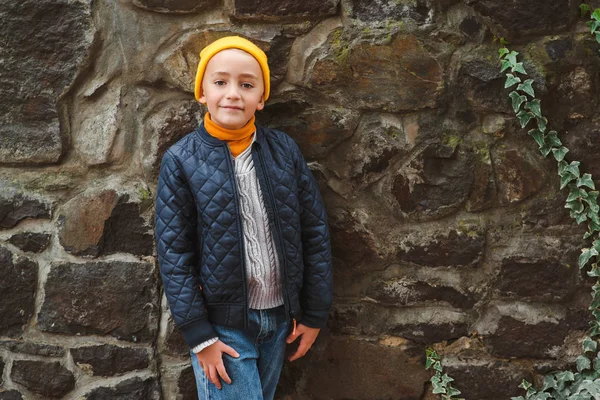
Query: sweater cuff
(204, 345)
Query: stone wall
(447, 224)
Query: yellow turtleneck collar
(237, 139)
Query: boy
(242, 236)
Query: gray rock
(11, 395)
(104, 222)
(174, 342)
(45, 45)
(518, 174)
(187, 384)
(130, 389)
(49, 379)
(17, 289)
(380, 11)
(31, 241)
(38, 349)
(111, 298)
(16, 206)
(106, 360)
(517, 18)
(177, 6)
(268, 10)
(406, 293)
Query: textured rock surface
(49, 379)
(264, 9)
(17, 289)
(39, 65)
(31, 241)
(39, 349)
(176, 6)
(112, 298)
(110, 360)
(130, 389)
(16, 205)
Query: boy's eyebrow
(243, 75)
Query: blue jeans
(254, 375)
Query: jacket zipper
(241, 235)
(271, 214)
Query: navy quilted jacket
(200, 240)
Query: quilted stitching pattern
(199, 235)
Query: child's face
(232, 88)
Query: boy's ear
(202, 98)
(261, 103)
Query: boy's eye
(247, 85)
(219, 83)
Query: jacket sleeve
(317, 289)
(176, 246)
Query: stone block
(403, 292)
(442, 182)
(581, 140)
(537, 280)
(381, 11)
(16, 205)
(520, 18)
(514, 338)
(286, 9)
(104, 222)
(187, 384)
(38, 349)
(11, 395)
(518, 175)
(411, 76)
(487, 379)
(169, 122)
(456, 248)
(49, 379)
(174, 342)
(112, 298)
(316, 130)
(107, 360)
(176, 6)
(31, 241)
(130, 389)
(480, 86)
(355, 369)
(17, 289)
(45, 45)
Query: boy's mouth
(232, 108)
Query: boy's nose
(233, 92)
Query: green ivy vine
(584, 383)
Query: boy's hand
(308, 336)
(211, 360)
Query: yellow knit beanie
(232, 42)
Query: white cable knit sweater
(262, 266)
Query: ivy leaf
(505, 65)
(593, 227)
(583, 363)
(589, 345)
(518, 67)
(453, 391)
(564, 377)
(593, 26)
(584, 8)
(559, 154)
(542, 396)
(511, 80)
(565, 179)
(575, 206)
(526, 87)
(585, 256)
(545, 150)
(573, 168)
(525, 385)
(590, 386)
(538, 136)
(579, 217)
(512, 56)
(504, 51)
(446, 380)
(586, 180)
(517, 100)
(595, 15)
(549, 383)
(429, 362)
(553, 139)
(535, 107)
(437, 366)
(524, 117)
(517, 398)
(576, 193)
(541, 121)
(598, 37)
